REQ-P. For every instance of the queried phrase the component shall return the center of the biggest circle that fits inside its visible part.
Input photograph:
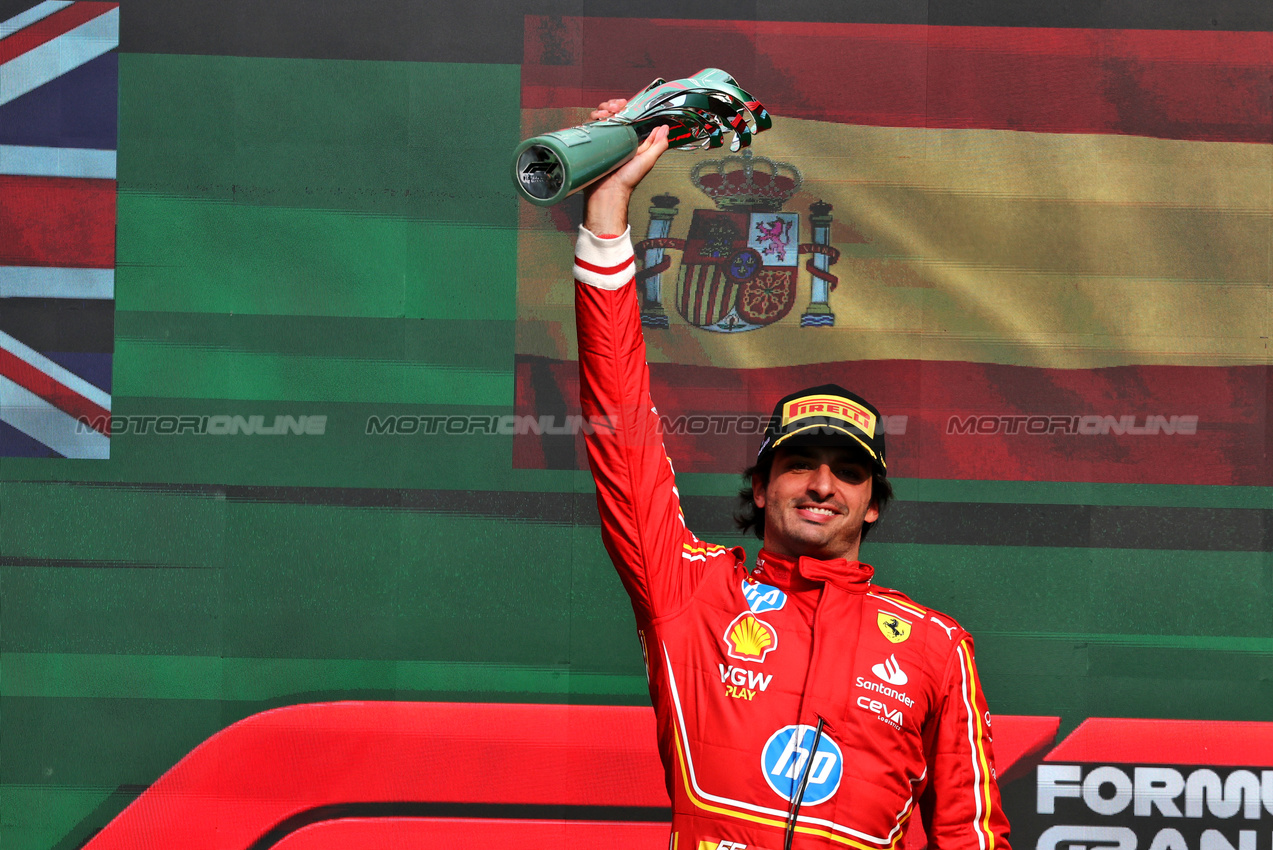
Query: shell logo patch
(893, 627)
(748, 638)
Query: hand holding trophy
(697, 110)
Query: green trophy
(697, 110)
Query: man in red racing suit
(796, 702)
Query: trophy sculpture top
(698, 111)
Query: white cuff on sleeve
(604, 263)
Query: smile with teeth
(817, 510)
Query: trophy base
(540, 173)
(549, 168)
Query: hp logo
(784, 758)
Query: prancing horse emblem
(893, 627)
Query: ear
(758, 492)
(872, 512)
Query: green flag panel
(388, 139)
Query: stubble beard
(832, 540)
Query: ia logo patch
(763, 597)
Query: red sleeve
(658, 559)
(960, 806)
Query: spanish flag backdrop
(1043, 253)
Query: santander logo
(890, 671)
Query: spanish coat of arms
(740, 262)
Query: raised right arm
(644, 532)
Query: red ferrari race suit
(743, 666)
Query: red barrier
(376, 774)
(353, 834)
(1215, 743)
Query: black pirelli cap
(826, 415)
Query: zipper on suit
(793, 810)
(797, 796)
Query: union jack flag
(59, 85)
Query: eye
(854, 473)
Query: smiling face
(816, 501)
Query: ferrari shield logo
(893, 627)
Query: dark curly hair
(748, 516)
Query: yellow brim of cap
(844, 431)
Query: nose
(822, 482)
